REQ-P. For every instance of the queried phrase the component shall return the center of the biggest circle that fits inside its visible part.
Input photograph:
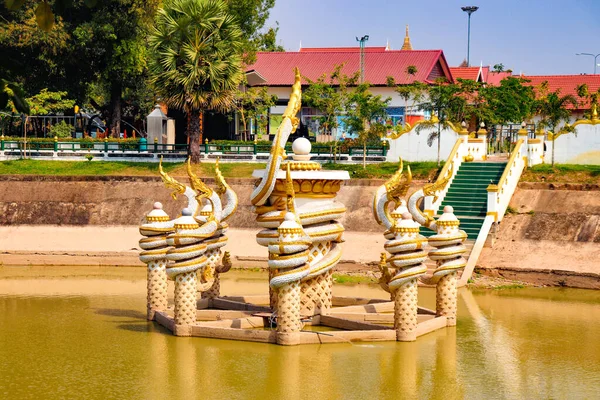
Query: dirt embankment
(52, 200)
(552, 238)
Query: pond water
(81, 333)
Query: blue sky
(535, 37)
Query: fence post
(156, 145)
(206, 147)
(255, 143)
(106, 144)
(2, 142)
(55, 144)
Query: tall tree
(366, 115)
(251, 16)
(329, 94)
(554, 111)
(251, 104)
(196, 60)
(444, 103)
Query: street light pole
(593, 55)
(362, 42)
(469, 10)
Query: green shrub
(61, 130)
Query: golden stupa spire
(407, 45)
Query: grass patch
(427, 170)
(119, 168)
(511, 210)
(507, 287)
(352, 279)
(420, 170)
(563, 173)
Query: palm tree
(196, 60)
(553, 110)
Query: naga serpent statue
(428, 190)
(156, 227)
(405, 245)
(288, 259)
(447, 246)
(318, 218)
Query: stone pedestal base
(288, 308)
(214, 291)
(272, 293)
(185, 298)
(157, 288)
(446, 297)
(405, 312)
(288, 338)
(317, 294)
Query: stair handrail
(499, 194)
(455, 158)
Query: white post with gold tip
(154, 247)
(188, 257)
(407, 260)
(447, 253)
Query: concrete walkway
(118, 245)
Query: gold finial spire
(289, 190)
(407, 45)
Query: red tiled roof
(471, 73)
(277, 67)
(494, 78)
(340, 49)
(485, 71)
(566, 83)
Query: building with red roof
(276, 68)
(566, 84)
(471, 73)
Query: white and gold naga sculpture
(156, 227)
(401, 271)
(191, 242)
(447, 253)
(428, 190)
(288, 261)
(448, 248)
(316, 209)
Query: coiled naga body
(402, 269)
(192, 243)
(156, 227)
(447, 249)
(317, 211)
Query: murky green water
(80, 333)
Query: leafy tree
(196, 60)
(366, 115)
(498, 67)
(553, 109)
(47, 102)
(587, 98)
(329, 94)
(511, 101)
(251, 16)
(445, 103)
(61, 130)
(11, 92)
(252, 103)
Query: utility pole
(595, 59)
(469, 10)
(362, 41)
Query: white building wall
(413, 147)
(580, 148)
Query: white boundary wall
(413, 147)
(580, 148)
